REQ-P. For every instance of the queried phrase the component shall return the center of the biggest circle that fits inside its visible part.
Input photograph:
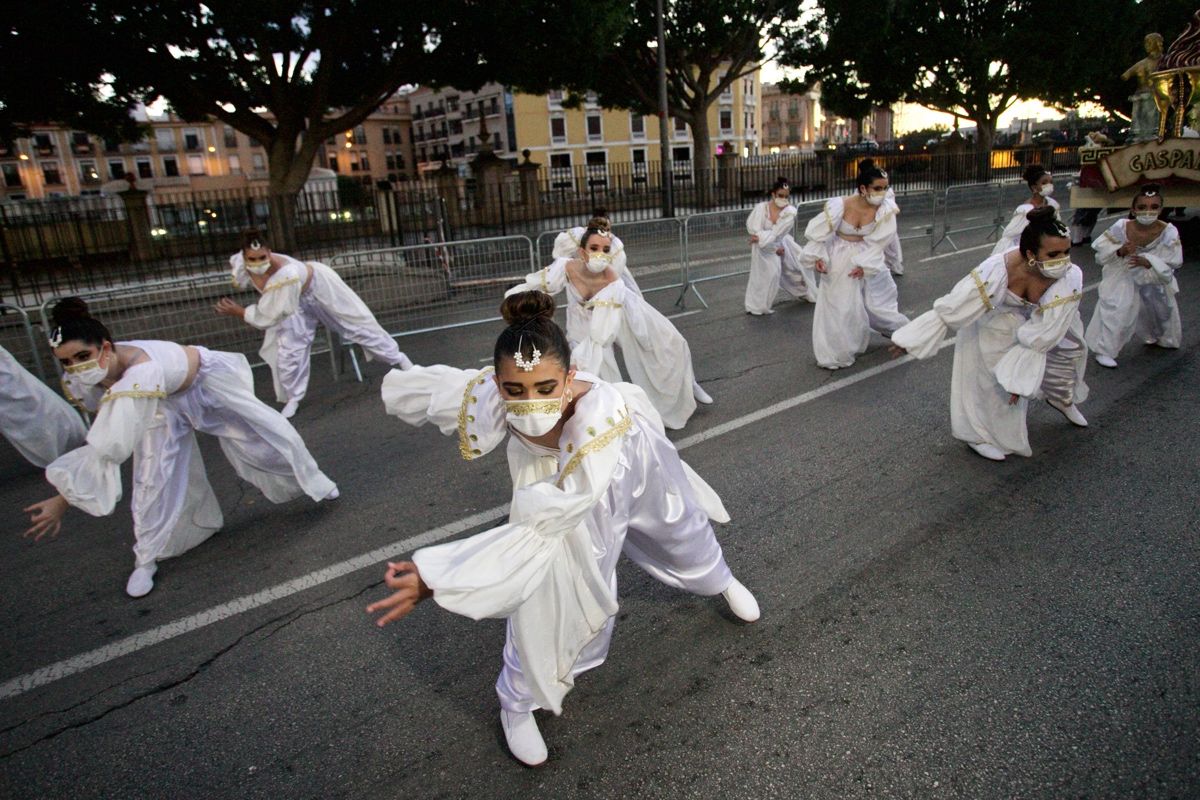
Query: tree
(710, 44)
(293, 73)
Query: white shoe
(701, 395)
(289, 410)
(524, 739)
(141, 580)
(404, 363)
(1071, 413)
(334, 494)
(741, 602)
(760, 313)
(986, 450)
(1105, 361)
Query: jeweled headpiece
(534, 359)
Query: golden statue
(1175, 81)
(1143, 69)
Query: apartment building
(446, 127)
(186, 156)
(789, 120)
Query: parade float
(1162, 147)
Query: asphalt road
(934, 625)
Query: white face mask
(88, 372)
(1053, 267)
(782, 202)
(875, 198)
(598, 262)
(1046, 190)
(1147, 219)
(257, 269)
(534, 417)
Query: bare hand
(1013, 399)
(409, 590)
(857, 272)
(46, 517)
(779, 252)
(1139, 261)
(228, 308)
(754, 239)
(820, 267)
(895, 351)
(1127, 249)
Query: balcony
(44, 149)
(83, 149)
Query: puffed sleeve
(1012, 231)
(1166, 256)
(871, 258)
(551, 279)
(969, 300)
(237, 269)
(280, 298)
(754, 222)
(89, 477)
(1021, 368)
(465, 402)
(620, 265)
(1108, 243)
(607, 311)
(820, 230)
(538, 570)
(782, 227)
(567, 243)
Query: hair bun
(866, 164)
(524, 307)
(67, 309)
(1042, 213)
(1033, 172)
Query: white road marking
(957, 252)
(685, 313)
(372, 559)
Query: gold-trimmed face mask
(534, 417)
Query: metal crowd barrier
(655, 252)
(18, 338)
(969, 208)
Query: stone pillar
(137, 213)
(448, 186)
(490, 175)
(727, 171)
(531, 192)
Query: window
(560, 161)
(164, 140)
(555, 96)
(597, 159)
(333, 160)
(260, 162)
(191, 139)
(387, 135)
(144, 168)
(116, 170)
(43, 143)
(558, 130)
(726, 120)
(171, 167)
(80, 142)
(195, 165)
(637, 125)
(727, 92)
(230, 137)
(494, 106)
(496, 141)
(88, 174)
(681, 153)
(12, 176)
(366, 164)
(639, 155)
(390, 162)
(50, 172)
(452, 103)
(235, 165)
(680, 127)
(560, 171)
(594, 133)
(793, 132)
(360, 135)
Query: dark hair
(868, 172)
(1042, 222)
(530, 318)
(1148, 190)
(1033, 173)
(72, 322)
(251, 235)
(780, 183)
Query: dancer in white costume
(1138, 287)
(1041, 186)
(149, 397)
(880, 293)
(594, 476)
(893, 254)
(774, 254)
(36, 421)
(568, 244)
(1019, 337)
(294, 297)
(845, 244)
(604, 310)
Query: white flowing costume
(1011, 237)
(1005, 345)
(295, 299)
(615, 485)
(566, 245)
(843, 321)
(656, 354)
(40, 424)
(146, 415)
(769, 272)
(1136, 299)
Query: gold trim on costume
(598, 443)
(523, 408)
(464, 443)
(602, 304)
(270, 287)
(71, 398)
(983, 292)
(157, 394)
(75, 369)
(545, 273)
(1061, 301)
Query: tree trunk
(985, 135)
(702, 159)
(288, 171)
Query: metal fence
(975, 214)
(18, 338)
